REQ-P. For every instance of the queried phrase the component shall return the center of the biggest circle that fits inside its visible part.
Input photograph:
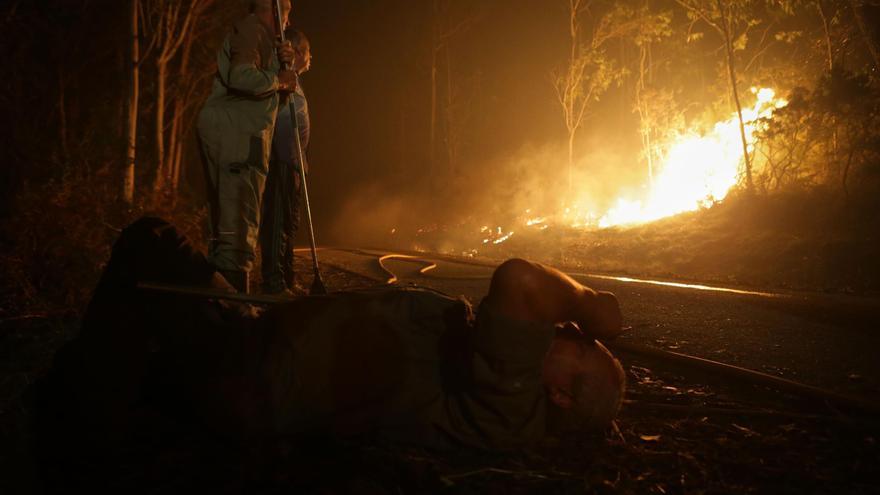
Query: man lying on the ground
(400, 363)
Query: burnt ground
(681, 431)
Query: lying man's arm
(533, 292)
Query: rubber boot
(273, 285)
(237, 279)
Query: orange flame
(697, 170)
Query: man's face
(303, 58)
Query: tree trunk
(161, 74)
(827, 31)
(62, 119)
(731, 69)
(171, 163)
(432, 138)
(132, 108)
(180, 108)
(451, 130)
(178, 160)
(845, 175)
(403, 140)
(432, 144)
(574, 33)
(571, 134)
(644, 112)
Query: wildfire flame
(697, 170)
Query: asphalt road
(829, 341)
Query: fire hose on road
(729, 371)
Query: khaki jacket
(237, 121)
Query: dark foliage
(827, 137)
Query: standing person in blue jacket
(281, 203)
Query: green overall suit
(235, 130)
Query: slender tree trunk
(731, 69)
(827, 31)
(451, 130)
(571, 135)
(644, 114)
(176, 137)
(175, 143)
(178, 160)
(574, 33)
(172, 165)
(403, 141)
(845, 176)
(432, 137)
(432, 145)
(63, 134)
(132, 106)
(161, 74)
(571, 125)
(432, 141)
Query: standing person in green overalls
(235, 130)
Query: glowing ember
(536, 221)
(696, 170)
(502, 238)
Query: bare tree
(188, 84)
(731, 20)
(650, 102)
(588, 72)
(174, 21)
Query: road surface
(823, 340)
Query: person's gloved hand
(286, 53)
(287, 81)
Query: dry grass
(808, 240)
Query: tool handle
(279, 29)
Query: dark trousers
(280, 223)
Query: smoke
(448, 212)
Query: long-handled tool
(317, 284)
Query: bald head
(585, 383)
(598, 392)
